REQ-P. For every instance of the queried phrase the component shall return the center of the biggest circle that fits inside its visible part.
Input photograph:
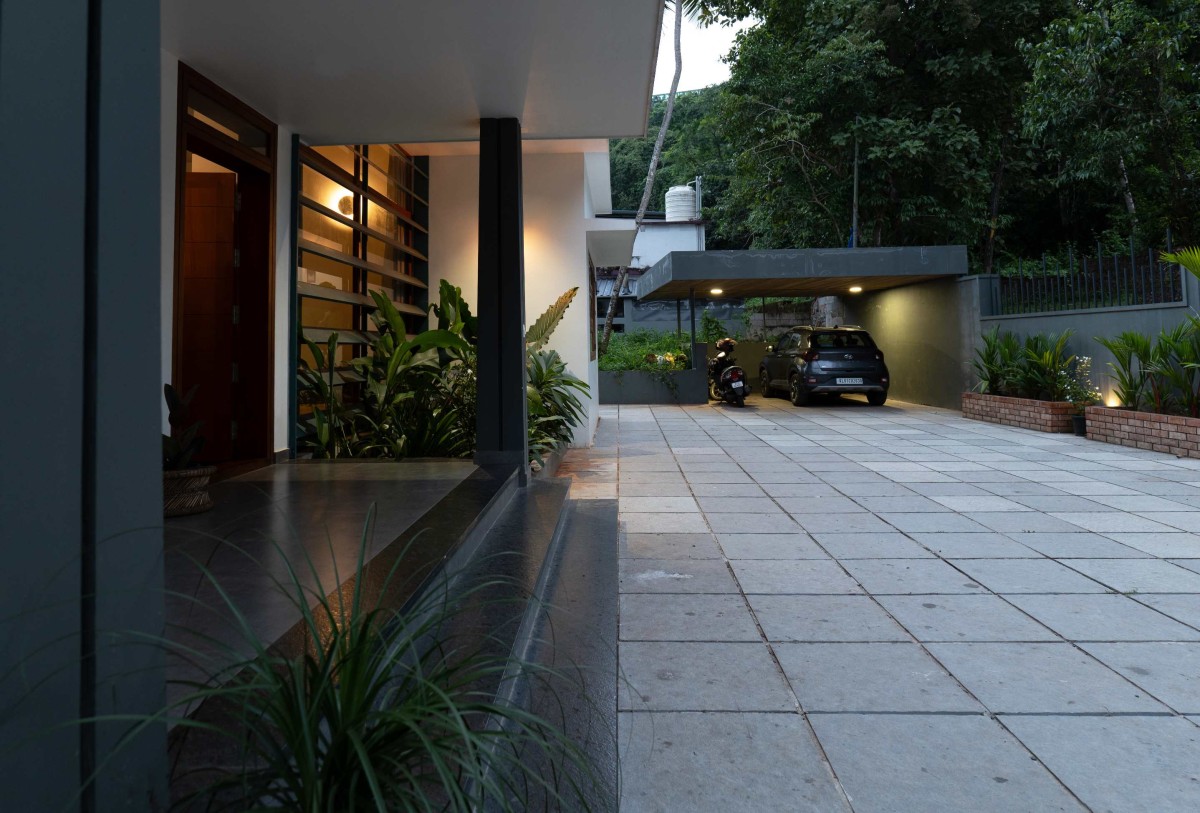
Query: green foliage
(1114, 100)
(1128, 349)
(1078, 386)
(1162, 373)
(1037, 368)
(454, 314)
(184, 442)
(712, 329)
(539, 332)
(646, 350)
(553, 398)
(999, 124)
(380, 711)
(1189, 258)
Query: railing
(1089, 283)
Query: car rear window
(849, 339)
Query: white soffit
(409, 71)
(609, 248)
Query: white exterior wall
(555, 203)
(283, 253)
(658, 239)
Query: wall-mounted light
(345, 205)
(716, 291)
(856, 289)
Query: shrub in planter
(1037, 368)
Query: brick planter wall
(1173, 434)
(1025, 413)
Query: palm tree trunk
(623, 275)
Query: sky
(702, 49)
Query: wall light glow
(1113, 401)
(856, 289)
(717, 291)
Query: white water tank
(681, 203)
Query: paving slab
(686, 617)
(820, 505)
(672, 676)
(1023, 521)
(1109, 522)
(688, 761)
(1181, 607)
(739, 505)
(942, 763)
(702, 490)
(910, 504)
(1167, 670)
(646, 523)
(770, 546)
(1127, 764)
(1040, 678)
(778, 523)
(965, 618)
(864, 522)
(1029, 576)
(1140, 575)
(1077, 546)
(943, 522)
(1182, 520)
(658, 505)
(806, 576)
(669, 546)
(824, 618)
(871, 546)
(1176, 544)
(1103, 617)
(908, 576)
(985, 545)
(860, 677)
(676, 576)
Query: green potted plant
(1081, 392)
(185, 486)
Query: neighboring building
(191, 184)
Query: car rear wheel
(876, 398)
(764, 384)
(799, 396)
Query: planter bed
(641, 387)
(1024, 413)
(1173, 434)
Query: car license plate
(849, 381)
(737, 385)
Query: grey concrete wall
(641, 387)
(921, 329)
(1101, 322)
(80, 491)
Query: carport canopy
(797, 272)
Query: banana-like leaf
(539, 332)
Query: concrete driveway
(843, 607)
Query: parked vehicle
(824, 360)
(726, 380)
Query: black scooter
(726, 380)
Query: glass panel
(224, 120)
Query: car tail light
(879, 356)
(811, 355)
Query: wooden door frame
(191, 133)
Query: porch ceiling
(798, 272)
(403, 70)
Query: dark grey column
(80, 491)
(502, 422)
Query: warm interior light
(346, 205)
(856, 289)
(716, 291)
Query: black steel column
(502, 422)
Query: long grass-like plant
(382, 711)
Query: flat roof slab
(798, 272)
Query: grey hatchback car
(811, 360)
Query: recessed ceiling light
(716, 291)
(856, 289)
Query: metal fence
(1089, 282)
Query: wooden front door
(207, 307)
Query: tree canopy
(1011, 126)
